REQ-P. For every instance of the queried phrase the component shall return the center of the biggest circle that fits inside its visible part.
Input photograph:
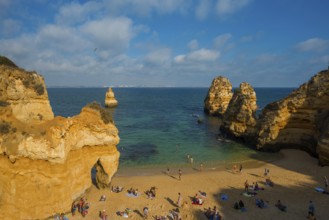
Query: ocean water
(158, 126)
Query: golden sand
(294, 176)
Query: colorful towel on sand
(249, 194)
(224, 197)
(196, 203)
(319, 189)
(132, 195)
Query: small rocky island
(110, 100)
(300, 121)
(46, 161)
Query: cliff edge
(46, 161)
(298, 121)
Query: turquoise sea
(158, 126)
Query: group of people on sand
(81, 205)
(197, 200)
(151, 193)
(133, 191)
(213, 214)
(116, 189)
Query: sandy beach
(294, 177)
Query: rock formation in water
(46, 162)
(239, 119)
(300, 120)
(218, 97)
(110, 100)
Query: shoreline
(295, 176)
(150, 170)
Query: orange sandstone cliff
(46, 161)
(218, 97)
(298, 121)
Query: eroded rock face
(46, 163)
(240, 117)
(218, 97)
(110, 100)
(299, 120)
(26, 93)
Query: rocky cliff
(110, 100)
(299, 120)
(26, 94)
(46, 162)
(239, 119)
(218, 97)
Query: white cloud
(110, 33)
(193, 45)
(201, 55)
(179, 58)
(220, 40)
(9, 27)
(313, 44)
(225, 7)
(202, 9)
(158, 56)
(74, 12)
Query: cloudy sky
(184, 43)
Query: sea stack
(110, 100)
(239, 120)
(218, 97)
(46, 161)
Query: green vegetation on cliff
(7, 62)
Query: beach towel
(224, 197)
(319, 189)
(196, 203)
(132, 195)
(249, 194)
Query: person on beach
(146, 212)
(74, 208)
(191, 160)
(246, 186)
(311, 209)
(240, 168)
(281, 206)
(179, 174)
(234, 169)
(103, 215)
(179, 200)
(168, 171)
(201, 166)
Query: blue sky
(185, 43)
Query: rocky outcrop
(299, 120)
(218, 97)
(239, 119)
(26, 94)
(46, 162)
(110, 100)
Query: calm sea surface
(158, 127)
